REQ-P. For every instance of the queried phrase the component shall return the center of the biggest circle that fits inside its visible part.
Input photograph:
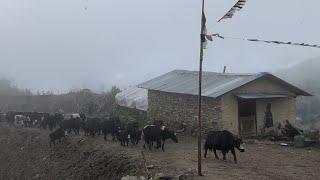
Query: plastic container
(298, 141)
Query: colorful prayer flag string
(237, 7)
(266, 41)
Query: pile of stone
(290, 131)
(279, 133)
(159, 176)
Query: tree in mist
(8, 88)
(91, 103)
(110, 100)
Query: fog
(59, 45)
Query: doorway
(247, 117)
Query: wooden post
(199, 96)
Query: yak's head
(169, 134)
(174, 138)
(238, 144)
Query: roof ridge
(218, 73)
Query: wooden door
(247, 118)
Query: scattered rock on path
(161, 176)
(150, 166)
(133, 178)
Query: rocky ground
(26, 154)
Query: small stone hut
(234, 102)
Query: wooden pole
(199, 97)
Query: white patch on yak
(163, 128)
(241, 147)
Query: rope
(266, 41)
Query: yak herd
(154, 135)
(67, 124)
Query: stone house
(234, 102)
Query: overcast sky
(63, 44)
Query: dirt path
(260, 161)
(83, 155)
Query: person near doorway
(268, 119)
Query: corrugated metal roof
(261, 96)
(213, 84)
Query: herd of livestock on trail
(154, 135)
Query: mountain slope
(305, 75)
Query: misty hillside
(305, 75)
(14, 98)
(7, 88)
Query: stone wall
(177, 109)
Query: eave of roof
(261, 96)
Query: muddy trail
(26, 154)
